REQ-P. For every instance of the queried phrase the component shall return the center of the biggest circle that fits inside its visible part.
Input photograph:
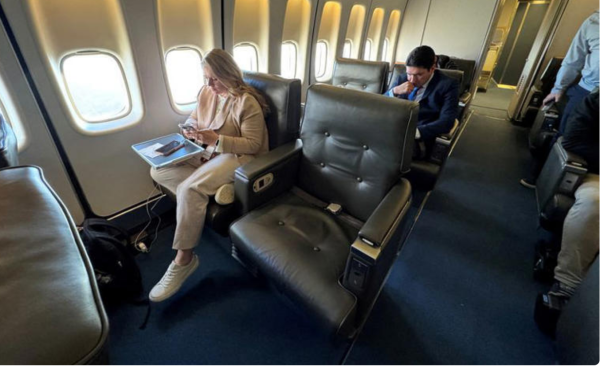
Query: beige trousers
(580, 235)
(194, 183)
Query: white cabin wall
(40, 149)
(451, 27)
(411, 27)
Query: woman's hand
(208, 137)
(189, 134)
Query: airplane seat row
(51, 311)
(371, 77)
(283, 124)
(368, 76)
(327, 226)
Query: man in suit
(436, 93)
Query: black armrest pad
(380, 226)
(281, 162)
(465, 98)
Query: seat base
(304, 249)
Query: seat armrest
(379, 228)
(464, 99)
(267, 176)
(562, 173)
(374, 250)
(442, 145)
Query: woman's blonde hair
(225, 69)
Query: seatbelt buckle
(334, 209)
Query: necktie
(413, 94)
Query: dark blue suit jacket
(439, 106)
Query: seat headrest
(8, 145)
(468, 68)
(283, 97)
(355, 146)
(368, 76)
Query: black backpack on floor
(117, 274)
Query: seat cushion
(50, 308)
(304, 250)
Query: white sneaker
(173, 280)
(225, 195)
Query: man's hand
(553, 97)
(404, 88)
(208, 137)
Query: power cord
(141, 246)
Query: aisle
(462, 290)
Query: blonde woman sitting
(229, 118)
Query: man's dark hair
(421, 57)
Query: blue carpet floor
(222, 315)
(462, 291)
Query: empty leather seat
(368, 76)
(331, 265)
(283, 124)
(50, 308)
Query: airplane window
(246, 57)
(321, 59)
(384, 50)
(96, 86)
(347, 52)
(289, 58)
(184, 72)
(367, 51)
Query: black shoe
(528, 184)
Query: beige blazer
(240, 123)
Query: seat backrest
(457, 75)
(396, 71)
(368, 76)
(468, 68)
(283, 97)
(8, 145)
(355, 146)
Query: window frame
(384, 49)
(348, 42)
(369, 43)
(67, 90)
(324, 58)
(296, 54)
(184, 108)
(256, 53)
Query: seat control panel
(262, 182)
(358, 275)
